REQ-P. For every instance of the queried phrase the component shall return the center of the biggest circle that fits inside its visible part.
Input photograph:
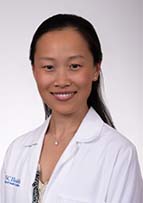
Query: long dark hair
(85, 28)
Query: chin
(64, 111)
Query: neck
(65, 125)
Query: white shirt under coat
(98, 166)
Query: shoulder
(119, 153)
(28, 139)
(115, 138)
(105, 134)
(117, 147)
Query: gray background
(120, 28)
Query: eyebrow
(46, 58)
(52, 59)
(76, 56)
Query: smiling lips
(63, 96)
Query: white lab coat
(98, 166)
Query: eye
(75, 66)
(49, 67)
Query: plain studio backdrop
(120, 28)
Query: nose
(62, 79)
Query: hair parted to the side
(87, 31)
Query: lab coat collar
(89, 129)
(36, 137)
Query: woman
(76, 156)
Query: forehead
(68, 31)
(67, 38)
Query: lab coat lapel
(67, 155)
(35, 147)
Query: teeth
(63, 96)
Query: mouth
(63, 96)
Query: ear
(97, 70)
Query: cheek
(85, 81)
(42, 81)
(43, 86)
(85, 86)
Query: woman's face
(64, 70)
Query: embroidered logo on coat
(12, 180)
